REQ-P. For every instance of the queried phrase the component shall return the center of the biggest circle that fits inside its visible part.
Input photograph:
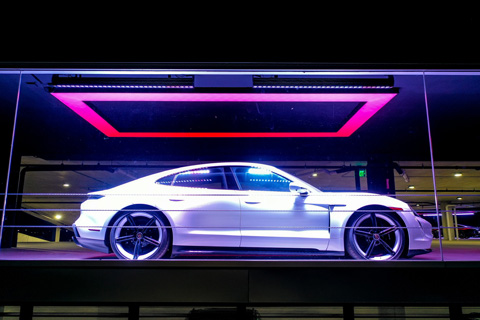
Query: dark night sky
(302, 36)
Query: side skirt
(252, 253)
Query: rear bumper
(92, 244)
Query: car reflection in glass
(246, 210)
(462, 231)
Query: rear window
(211, 178)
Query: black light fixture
(323, 83)
(102, 83)
(224, 81)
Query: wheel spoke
(370, 249)
(124, 238)
(131, 221)
(373, 217)
(152, 241)
(136, 250)
(388, 230)
(148, 224)
(363, 233)
(386, 246)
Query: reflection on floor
(457, 250)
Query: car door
(274, 217)
(206, 213)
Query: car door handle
(252, 202)
(176, 200)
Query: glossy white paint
(201, 217)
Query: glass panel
(8, 98)
(212, 178)
(79, 312)
(166, 312)
(452, 102)
(471, 312)
(9, 312)
(259, 179)
(388, 312)
(89, 148)
(306, 312)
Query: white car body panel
(203, 219)
(283, 220)
(243, 219)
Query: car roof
(154, 177)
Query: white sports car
(245, 209)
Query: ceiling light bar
(90, 86)
(79, 82)
(318, 87)
(323, 83)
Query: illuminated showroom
(251, 173)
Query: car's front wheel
(140, 235)
(375, 236)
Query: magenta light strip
(76, 102)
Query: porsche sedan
(246, 210)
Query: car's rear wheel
(140, 235)
(375, 236)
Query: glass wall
(453, 101)
(8, 98)
(263, 165)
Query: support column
(57, 234)
(448, 221)
(380, 176)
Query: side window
(211, 178)
(166, 181)
(258, 179)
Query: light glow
(201, 171)
(259, 171)
(457, 214)
(373, 102)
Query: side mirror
(298, 189)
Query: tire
(140, 235)
(375, 236)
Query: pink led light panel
(373, 103)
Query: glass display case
(239, 164)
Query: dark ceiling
(48, 129)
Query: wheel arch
(135, 207)
(380, 207)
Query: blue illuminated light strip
(89, 86)
(318, 87)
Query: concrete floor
(459, 250)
